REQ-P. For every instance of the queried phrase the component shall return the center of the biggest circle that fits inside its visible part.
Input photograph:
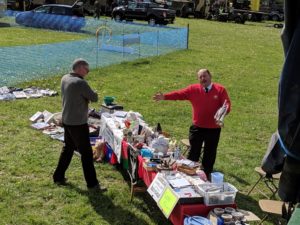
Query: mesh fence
(115, 42)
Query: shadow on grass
(248, 203)
(238, 179)
(105, 208)
(143, 201)
(4, 24)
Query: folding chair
(269, 180)
(186, 144)
(133, 172)
(273, 207)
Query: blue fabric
(196, 220)
(50, 21)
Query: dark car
(276, 16)
(53, 16)
(152, 12)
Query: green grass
(15, 36)
(247, 59)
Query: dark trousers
(289, 184)
(77, 138)
(210, 137)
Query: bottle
(158, 129)
(177, 153)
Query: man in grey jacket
(76, 95)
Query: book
(40, 125)
(38, 115)
(48, 116)
(19, 94)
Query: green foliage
(247, 59)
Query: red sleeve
(224, 96)
(182, 94)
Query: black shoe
(61, 182)
(97, 188)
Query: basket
(217, 194)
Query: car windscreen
(60, 10)
(42, 9)
(154, 5)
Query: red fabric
(124, 152)
(204, 105)
(182, 210)
(147, 176)
(113, 159)
(140, 169)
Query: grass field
(247, 59)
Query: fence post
(139, 44)
(157, 40)
(97, 51)
(187, 36)
(123, 42)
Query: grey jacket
(76, 95)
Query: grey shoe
(62, 182)
(97, 187)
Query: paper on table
(120, 114)
(187, 192)
(178, 183)
(187, 162)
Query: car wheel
(117, 17)
(184, 13)
(239, 20)
(152, 21)
(275, 18)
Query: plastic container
(217, 194)
(217, 178)
(108, 100)
(196, 220)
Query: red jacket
(205, 105)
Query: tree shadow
(104, 207)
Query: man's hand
(158, 96)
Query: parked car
(148, 11)
(2, 8)
(276, 16)
(53, 16)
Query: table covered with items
(178, 186)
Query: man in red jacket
(206, 98)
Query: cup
(217, 178)
(226, 217)
(218, 211)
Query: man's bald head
(204, 76)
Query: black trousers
(77, 138)
(289, 184)
(210, 137)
